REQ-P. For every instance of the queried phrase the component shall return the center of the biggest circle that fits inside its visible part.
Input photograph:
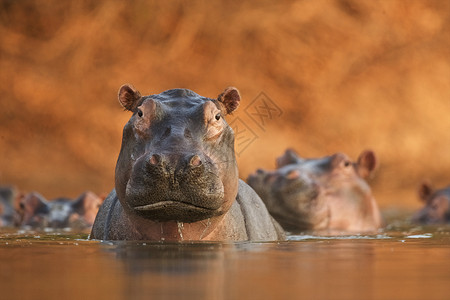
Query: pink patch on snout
(195, 161)
(294, 174)
(155, 159)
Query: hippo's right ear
(129, 97)
(289, 157)
(366, 164)
(425, 191)
(32, 202)
(230, 99)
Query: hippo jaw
(175, 211)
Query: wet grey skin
(177, 166)
(436, 209)
(328, 193)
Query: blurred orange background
(346, 75)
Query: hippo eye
(140, 113)
(347, 163)
(218, 117)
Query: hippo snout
(175, 186)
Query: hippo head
(437, 205)
(8, 216)
(36, 211)
(301, 192)
(177, 160)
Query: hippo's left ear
(289, 157)
(129, 97)
(230, 99)
(425, 191)
(367, 163)
(86, 201)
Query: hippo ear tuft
(367, 163)
(289, 157)
(129, 97)
(230, 98)
(425, 191)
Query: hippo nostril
(166, 133)
(195, 161)
(155, 159)
(187, 133)
(294, 174)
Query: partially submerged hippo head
(8, 215)
(176, 176)
(437, 205)
(37, 212)
(327, 193)
(177, 160)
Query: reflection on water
(403, 262)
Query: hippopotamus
(79, 213)
(328, 194)
(176, 176)
(8, 215)
(437, 205)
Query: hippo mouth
(171, 210)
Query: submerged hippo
(437, 205)
(37, 212)
(8, 215)
(324, 194)
(176, 176)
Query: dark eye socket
(218, 117)
(140, 113)
(347, 163)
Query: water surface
(398, 263)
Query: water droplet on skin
(206, 227)
(162, 233)
(180, 229)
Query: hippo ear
(32, 202)
(230, 99)
(289, 157)
(366, 164)
(85, 201)
(87, 205)
(78, 203)
(129, 97)
(425, 191)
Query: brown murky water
(403, 262)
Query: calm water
(402, 262)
